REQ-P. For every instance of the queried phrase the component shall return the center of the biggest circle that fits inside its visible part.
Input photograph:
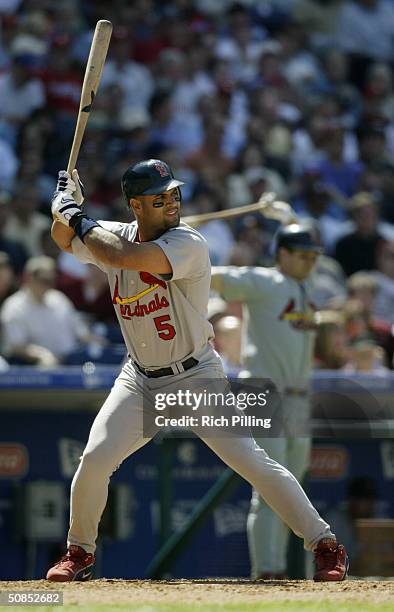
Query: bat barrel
(94, 68)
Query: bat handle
(79, 131)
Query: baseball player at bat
(279, 341)
(159, 275)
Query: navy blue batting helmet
(296, 236)
(149, 177)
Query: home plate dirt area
(215, 594)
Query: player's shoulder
(267, 277)
(261, 273)
(185, 232)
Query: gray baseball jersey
(163, 320)
(271, 346)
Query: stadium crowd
(290, 96)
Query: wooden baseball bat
(264, 201)
(91, 81)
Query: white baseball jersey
(271, 346)
(162, 320)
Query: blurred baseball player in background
(278, 345)
(159, 275)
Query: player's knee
(98, 459)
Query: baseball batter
(159, 275)
(279, 346)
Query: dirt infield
(108, 592)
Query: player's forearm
(217, 281)
(62, 235)
(34, 354)
(116, 252)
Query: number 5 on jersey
(166, 330)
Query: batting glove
(72, 185)
(281, 211)
(64, 207)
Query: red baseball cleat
(76, 564)
(332, 562)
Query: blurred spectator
(269, 69)
(15, 250)
(366, 29)
(334, 82)
(358, 250)
(183, 132)
(20, 95)
(363, 289)
(384, 303)
(133, 78)
(39, 324)
(300, 67)
(85, 285)
(211, 153)
(62, 79)
(185, 77)
(7, 277)
(373, 142)
(216, 232)
(318, 18)
(356, 318)
(8, 165)
(241, 43)
(331, 347)
(378, 92)
(371, 340)
(362, 286)
(327, 281)
(252, 177)
(8, 7)
(386, 191)
(314, 203)
(242, 254)
(25, 223)
(334, 170)
(252, 240)
(33, 36)
(228, 343)
(366, 357)
(310, 136)
(89, 295)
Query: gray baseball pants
(268, 536)
(118, 431)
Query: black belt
(189, 363)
